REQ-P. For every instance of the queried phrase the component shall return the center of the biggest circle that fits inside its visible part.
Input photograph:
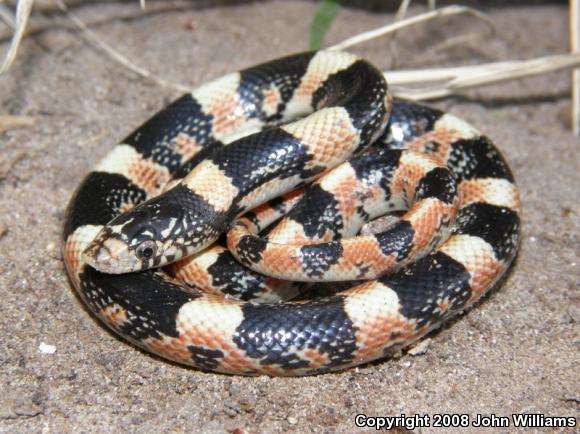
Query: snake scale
(317, 137)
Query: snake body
(210, 162)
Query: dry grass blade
(400, 15)
(42, 22)
(402, 10)
(437, 83)
(433, 75)
(462, 39)
(7, 16)
(9, 122)
(22, 13)
(455, 80)
(443, 12)
(115, 55)
(575, 48)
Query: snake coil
(232, 157)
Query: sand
(61, 371)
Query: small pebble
(420, 348)
(28, 410)
(574, 312)
(46, 348)
(232, 408)
(292, 420)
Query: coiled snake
(230, 158)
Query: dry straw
(23, 9)
(575, 47)
(9, 122)
(429, 83)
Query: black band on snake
(314, 137)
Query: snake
(203, 235)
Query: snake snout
(110, 256)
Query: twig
(575, 48)
(22, 13)
(459, 79)
(446, 11)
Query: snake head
(127, 245)
(157, 232)
(111, 253)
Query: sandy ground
(513, 353)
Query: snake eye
(146, 250)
